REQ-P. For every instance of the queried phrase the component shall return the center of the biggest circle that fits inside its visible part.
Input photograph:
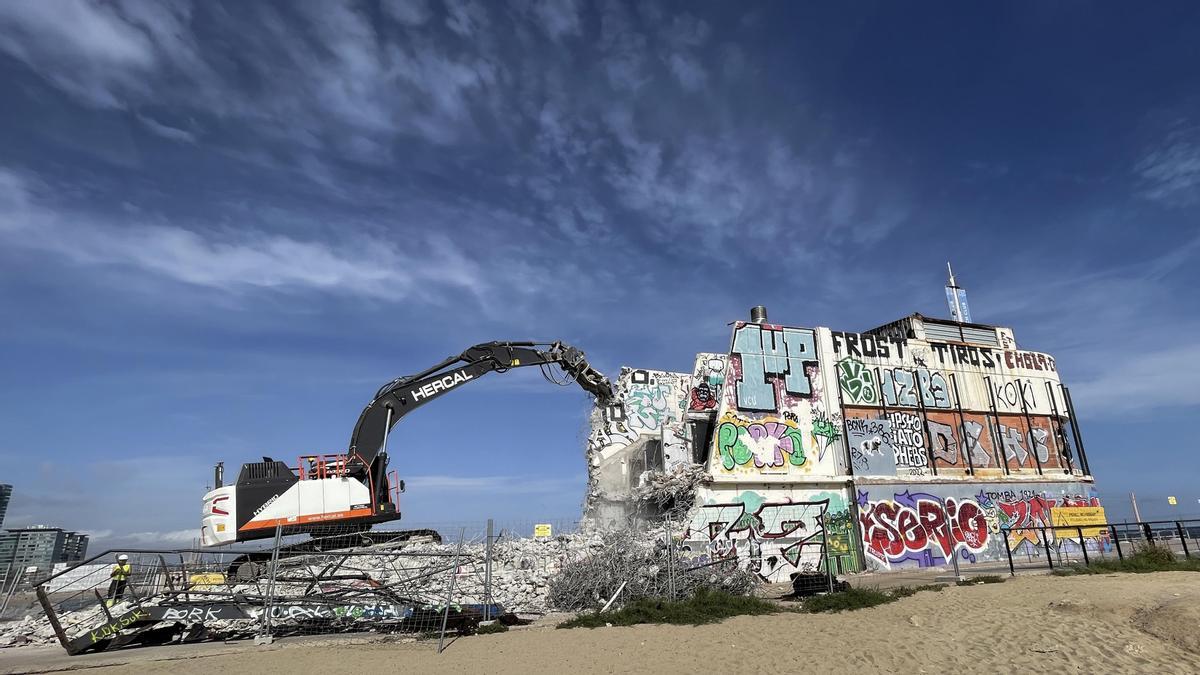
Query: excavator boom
(353, 489)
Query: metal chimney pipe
(758, 314)
(219, 475)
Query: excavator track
(253, 566)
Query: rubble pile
(670, 492)
(405, 585)
(30, 630)
(521, 570)
(630, 565)
(414, 574)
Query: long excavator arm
(356, 493)
(403, 395)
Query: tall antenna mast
(956, 298)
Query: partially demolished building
(807, 449)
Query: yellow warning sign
(206, 579)
(1074, 516)
(542, 531)
(1172, 501)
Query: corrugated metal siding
(980, 336)
(938, 332)
(941, 332)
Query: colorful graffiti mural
(773, 533)
(642, 428)
(768, 442)
(931, 443)
(771, 421)
(887, 444)
(925, 525)
(648, 400)
(708, 380)
(774, 363)
(921, 527)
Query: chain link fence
(434, 579)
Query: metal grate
(943, 332)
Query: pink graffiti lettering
(893, 530)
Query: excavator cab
(320, 491)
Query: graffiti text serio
(915, 527)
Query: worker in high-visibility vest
(120, 579)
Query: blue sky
(223, 225)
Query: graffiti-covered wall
(775, 422)
(803, 448)
(642, 429)
(923, 525)
(916, 408)
(773, 531)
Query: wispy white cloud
(559, 18)
(167, 131)
(1170, 170)
(688, 71)
(1098, 322)
(624, 49)
(408, 12)
(329, 85)
(465, 17)
(231, 259)
(123, 48)
(1141, 381)
(174, 537)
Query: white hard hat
(122, 557)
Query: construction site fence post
(487, 574)
(1046, 546)
(1083, 547)
(269, 601)
(1182, 539)
(8, 580)
(462, 533)
(670, 560)
(52, 617)
(12, 584)
(1008, 549)
(825, 552)
(1147, 533)
(1116, 542)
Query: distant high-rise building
(40, 546)
(5, 495)
(74, 547)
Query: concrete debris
(633, 564)
(412, 574)
(670, 492)
(384, 587)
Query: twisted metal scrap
(670, 492)
(648, 567)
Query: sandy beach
(1113, 623)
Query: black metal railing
(1084, 544)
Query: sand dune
(1115, 623)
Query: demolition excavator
(349, 492)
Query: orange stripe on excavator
(311, 518)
